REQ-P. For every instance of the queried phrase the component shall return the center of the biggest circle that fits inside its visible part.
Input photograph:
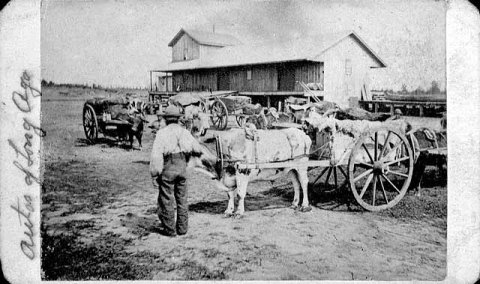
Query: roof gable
(333, 39)
(272, 52)
(206, 38)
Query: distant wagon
(113, 117)
(216, 105)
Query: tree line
(434, 89)
(46, 83)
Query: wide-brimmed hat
(171, 111)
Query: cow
(422, 140)
(259, 120)
(200, 121)
(260, 146)
(273, 116)
(134, 114)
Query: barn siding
(185, 42)
(195, 80)
(339, 86)
(309, 72)
(264, 77)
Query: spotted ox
(238, 145)
(134, 114)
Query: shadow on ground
(281, 197)
(103, 142)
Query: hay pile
(345, 133)
(353, 128)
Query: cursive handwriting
(25, 160)
(24, 101)
(24, 104)
(27, 245)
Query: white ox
(271, 146)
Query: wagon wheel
(90, 123)
(332, 178)
(203, 107)
(219, 115)
(241, 119)
(380, 169)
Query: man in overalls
(171, 150)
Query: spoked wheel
(219, 115)
(90, 123)
(203, 107)
(241, 119)
(331, 182)
(380, 169)
(188, 124)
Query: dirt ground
(99, 218)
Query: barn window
(249, 74)
(185, 54)
(348, 67)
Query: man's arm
(190, 143)
(156, 158)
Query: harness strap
(255, 139)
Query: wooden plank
(280, 125)
(279, 93)
(400, 103)
(288, 164)
(151, 86)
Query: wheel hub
(378, 167)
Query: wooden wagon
(218, 105)
(107, 116)
(375, 163)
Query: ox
(200, 121)
(260, 146)
(424, 139)
(134, 114)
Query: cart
(219, 105)
(97, 118)
(373, 160)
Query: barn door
(286, 78)
(223, 80)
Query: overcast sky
(116, 42)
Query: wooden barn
(338, 64)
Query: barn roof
(206, 38)
(271, 52)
